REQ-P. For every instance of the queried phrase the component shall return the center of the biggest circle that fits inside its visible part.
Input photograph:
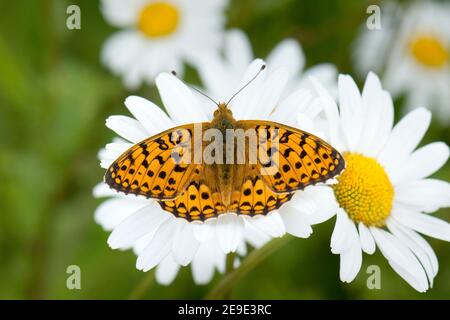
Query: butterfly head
(223, 117)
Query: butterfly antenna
(193, 88)
(250, 81)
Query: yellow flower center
(429, 51)
(364, 190)
(158, 19)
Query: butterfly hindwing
(199, 201)
(152, 168)
(254, 197)
(297, 158)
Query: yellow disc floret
(158, 19)
(429, 51)
(364, 190)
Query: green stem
(227, 283)
(143, 286)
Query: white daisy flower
(415, 44)
(159, 35)
(221, 74)
(384, 196)
(157, 236)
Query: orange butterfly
(199, 191)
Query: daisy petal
(128, 128)
(184, 244)
(159, 247)
(166, 271)
(399, 231)
(112, 212)
(202, 266)
(271, 224)
(295, 222)
(401, 259)
(425, 224)
(350, 111)
(351, 259)
(179, 101)
(238, 49)
(340, 241)
(420, 165)
(137, 225)
(148, 114)
(404, 138)
(331, 113)
(229, 229)
(204, 231)
(427, 195)
(269, 94)
(295, 103)
(366, 239)
(287, 54)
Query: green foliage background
(54, 98)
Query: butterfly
(291, 160)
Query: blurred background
(54, 98)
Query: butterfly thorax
(222, 175)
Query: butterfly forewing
(298, 158)
(155, 168)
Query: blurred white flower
(159, 35)
(385, 183)
(414, 46)
(220, 74)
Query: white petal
(295, 103)
(423, 223)
(128, 128)
(179, 101)
(271, 224)
(295, 222)
(317, 202)
(144, 221)
(241, 102)
(331, 114)
(287, 53)
(372, 99)
(255, 237)
(340, 240)
(420, 164)
(184, 244)
(366, 239)
(103, 190)
(350, 111)
(159, 247)
(422, 253)
(230, 230)
(265, 102)
(120, 13)
(238, 49)
(152, 118)
(166, 271)
(203, 265)
(401, 259)
(404, 138)
(351, 259)
(113, 211)
(203, 232)
(427, 195)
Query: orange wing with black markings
(153, 167)
(297, 158)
